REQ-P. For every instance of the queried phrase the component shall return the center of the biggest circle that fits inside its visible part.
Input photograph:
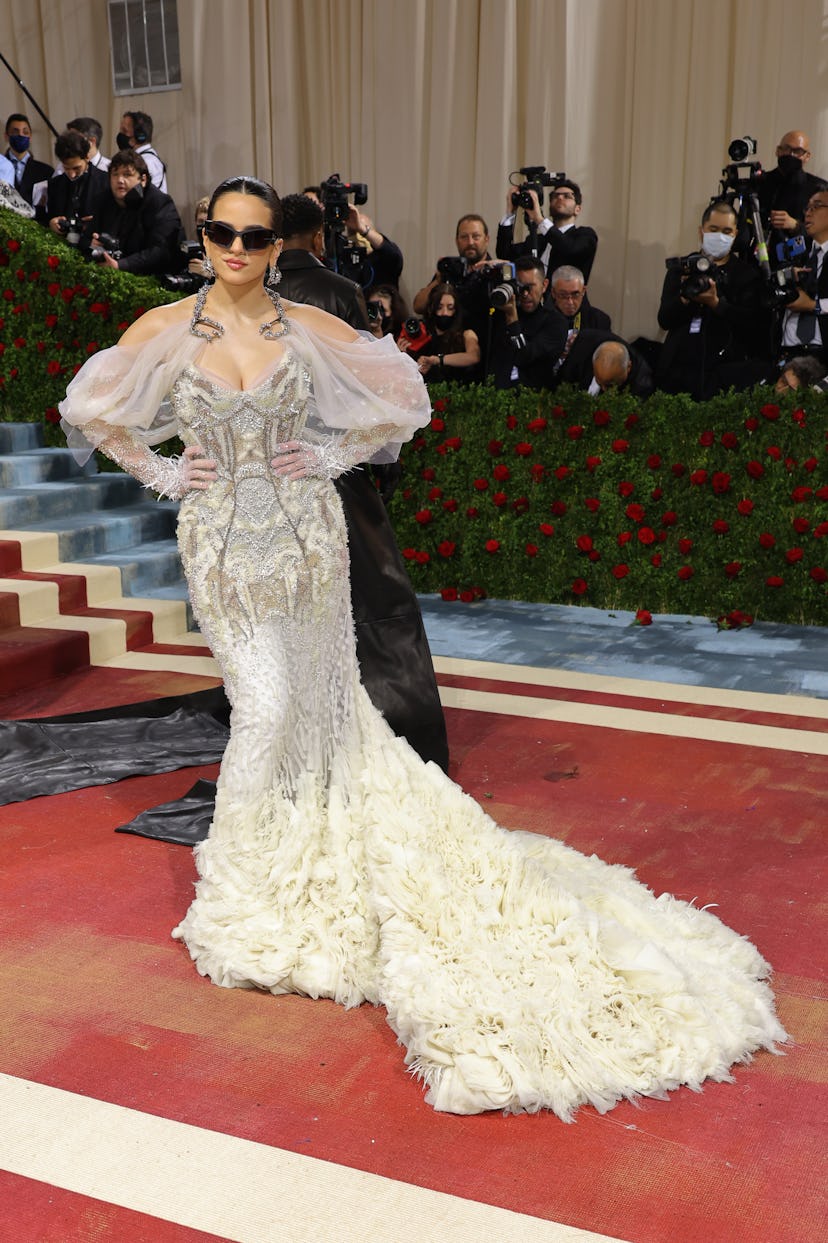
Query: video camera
(536, 179)
(696, 272)
(743, 172)
(186, 282)
(343, 255)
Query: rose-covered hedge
(56, 309)
(717, 509)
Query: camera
(452, 269)
(414, 333)
(186, 282)
(791, 249)
(536, 177)
(784, 286)
(71, 227)
(374, 310)
(696, 271)
(335, 194)
(107, 245)
(743, 172)
(741, 149)
(503, 286)
(343, 255)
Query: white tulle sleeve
(125, 387)
(367, 399)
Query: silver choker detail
(271, 330)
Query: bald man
(785, 190)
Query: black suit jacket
(33, 172)
(577, 369)
(575, 248)
(305, 279)
(149, 233)
(84, 193)
(533, 345)
(790, 194)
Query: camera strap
(571, 337)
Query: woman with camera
(442, 348)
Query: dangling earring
(207, 268)
(279, 326)
(273, 277)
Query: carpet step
(30, 656)
(18, 437)
(67, 499)
(33, 466)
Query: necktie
(18, 172)
(806, 321)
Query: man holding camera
(466, 273)
(714, 309)
(72, 194)
(805, 322)
(529, 337)
(560, 240)
(134, 226)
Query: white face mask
(716, 245)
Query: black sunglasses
(251, 239)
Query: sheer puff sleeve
(368, 398)
(125, 387)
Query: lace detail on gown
(519, 974)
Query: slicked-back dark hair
(302, 216)
(72, 145)
(259, 190)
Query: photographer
(805, 322)
(383, 263)
(442, 346)
(305, 278)
(467, 273)
(560, 241)
(528, 337)
(714, 308)
(784, 191)
(134, 226)
(72, 194)
(387, 311)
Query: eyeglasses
(251, 239)
(562, 194)
(797, 151)
(812, 206)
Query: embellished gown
(518, 973)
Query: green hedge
(669, 506)
(56, 308)
(666, 506)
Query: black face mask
(134, 197)
(122, 141)
(443, 322)
(789, 165)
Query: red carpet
(98, 1000)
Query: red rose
(501, 472)
(684, 546)
(67, 294)
(625, 488)
(50, 320)
(13, 245)
(523, 449)
(698, 477)
(481, 485)
(521, 505)
(467, 596)
(821, 494)
(766, 540)
(429, 473)
(54, 367)
(730, 440)
(656, 560)
(751, 424)
(439, 405)
(801, 494)
(92, 347)
(423, 516)
(446, 548)
(409, 553)
(471, 512)
(575, 433)
(635, 512)
(793, 555)
(561, 472)
(122, 327)
(620, 446)
(594, 555)
(492, 545)
(745, 507)
(620, 571)
(441, 449)
(685, 572)
(450, 506)
(801, 525)
(421, 558)
(733, 569)
(417, 443)
(495, 447)
(19, 343)
(706, 439)
(755, 469)
(499, 498)
(592, 462)
(584, 543)
(578, 587)
(453, 443)
(798, 416)
(721, 527)
(644, 617)
(818, 574)
(558, 508)
(601, 417)
(821, 530)
(546, 528)
(434, 494)
(592, 504)
(558, 412)
(720, 482)
(653, 461)
(624, 537)
(531, 550)
(631, 420)
(770, 412)
(51, 415)
(448, 593)
(406, 494)
(810, 464)
(678, 469)
(774, 581)
(437, 425)
(8, 294)
(537, 470)
(536, 425)
(646, 535)
(511, 422)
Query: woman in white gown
(518, 973)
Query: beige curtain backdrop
(434, 102)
